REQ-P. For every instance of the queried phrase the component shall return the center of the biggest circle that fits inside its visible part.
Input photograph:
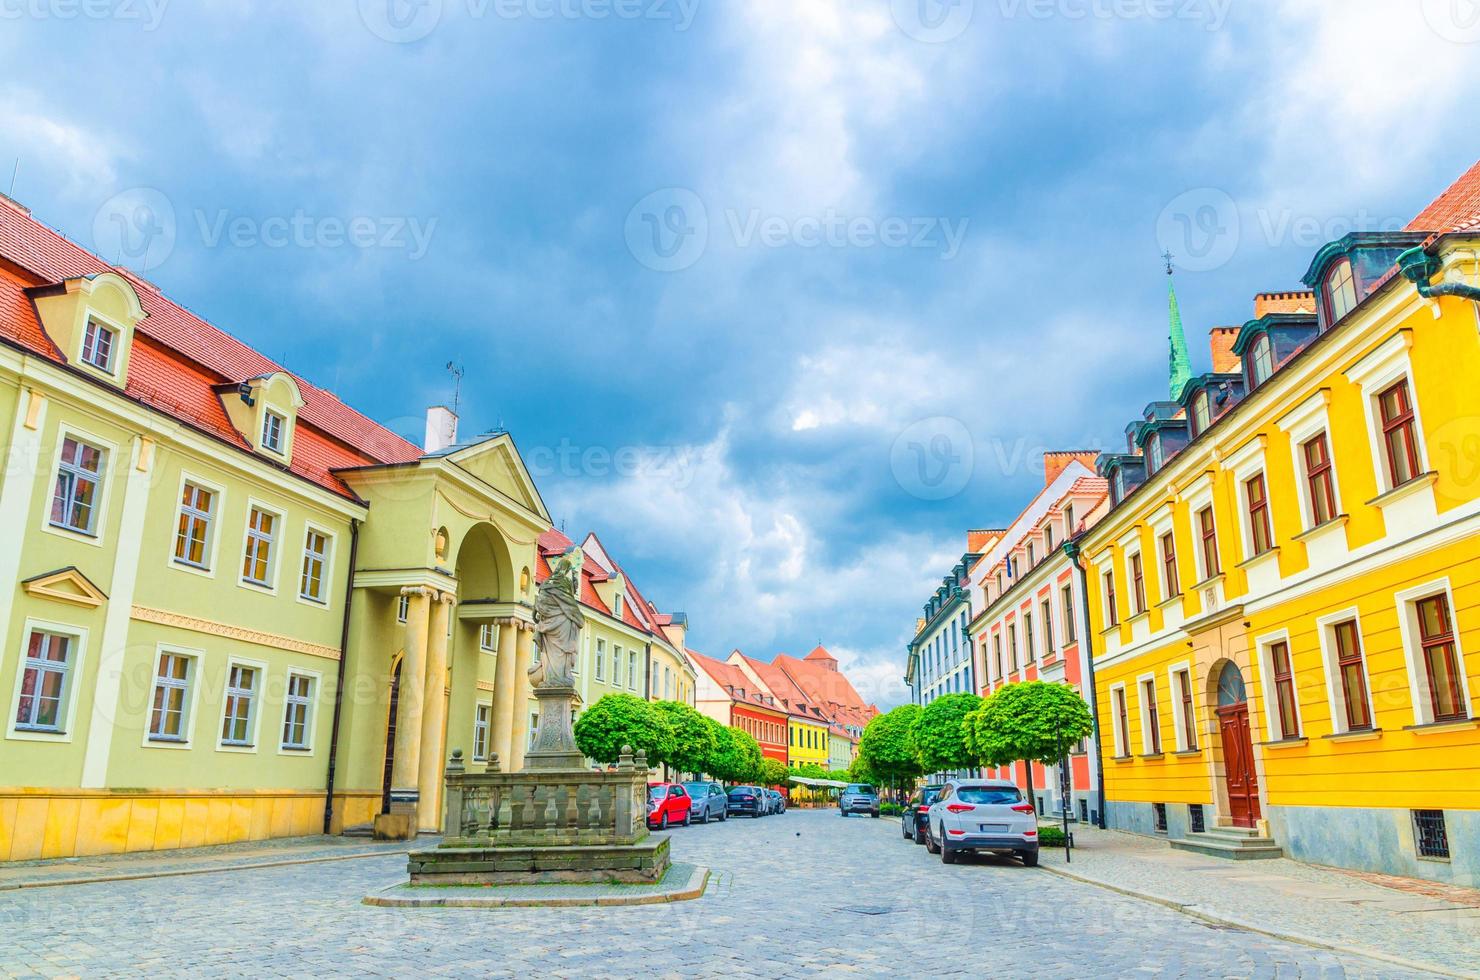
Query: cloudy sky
(779, 297)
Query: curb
(688, 891)
(1193, 911)
(180, 872)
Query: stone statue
(557, 622)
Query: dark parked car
(748, 799)
(859, 798)
(778, 801)
(708, 801)
(915, 819)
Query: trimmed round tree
(885, 748)
(616, 720)
(772, 772)
(938, 735)
(1032, 721)
(693, 736)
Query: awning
(806, 781)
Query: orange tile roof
(177, 357)
(1457, 209)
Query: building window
(1150, 718)
(1028, 653)
(1319, 480)
(1440, 659)
(167, 721)
(1352, 676)
(1067, 595)
(1031, 559)
(1189, 715)
(616, 666)
(1112, 615)
(601, 660)
(1122, 724)
(1209, 537)
(1257, 499)
(1261, 361)
(272, 431)
(1196, 821)
(1046, 608)
(534, 724)
(236, 721)
(79, 480)
(1012, 646)
(632, 669)
(297, 704)
(1284, 690)
(98, 343)
(1138, 583)
(315, 552)
(487, 637)
(481, 716)
(1047, 539)
(403, 608)
(997, 653)
(257, 562)
(1201, 415)
(1400, 443)
(1430, 836)
(45, 683)
(1069, 520)
(1119, 485)
(1341, 291)
(1159, 817)
(617, 606)
(1171, 586)
(1153, 444)
(193, 535)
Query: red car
(667, 803)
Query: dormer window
(272, 431)
(1119, 486)
(1202, 414)
(1261, 361)
(1341, 291)
(98, 344)
(1153, 450)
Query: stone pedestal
(554, 743)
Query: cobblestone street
(791, 896)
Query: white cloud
(48, 144)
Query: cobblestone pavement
(792, 895)
(1288, 898)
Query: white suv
(982, 815)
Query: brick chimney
(1295, 301)
(1220, 342)
(977, 539)
(1054, 462)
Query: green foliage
(859, 772)
(885, 749)
(772, 772)
(808, 770)
(890, 809)
(693, 736)
(1050, 836)
(1032, 721)
(623, 719)
(938, 737)
(844, 776)
(737, 757)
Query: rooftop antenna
(13, 171)
(456, 371)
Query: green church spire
(1181, 366)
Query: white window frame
(268, 415)
(115, 355)
(534, 724)
(1335, 698)
(109, 449)
(616, 665)
(1179, 727)
(1378, 371)
(1408, 628)
(71, 685)
(1302, 424)
(488, 637)
(326, 575)
(254, 718)
(310, 714)
(1130, 580)
(482, 724)
(1263, 648)
(213, 527)
(1245, 464)
(403, 608)
(632, 669)
(1120, 738)
(1145, 711)
(600, 659)
(275, 551)
(195, 658)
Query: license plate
(994, 828)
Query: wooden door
(1238, 764)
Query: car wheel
(756, 815)
(930, 844)
(663, 822)
(1030, 859)
(875, 814)
(947, 854)
(724, 815)
(706, 816)
(688, 818)
(919, 836)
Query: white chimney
(441, 429)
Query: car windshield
(657, 792)
(696, 789)
(863, 788)
(989, 794)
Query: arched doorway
(1239, 777)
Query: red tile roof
(177, 357)
(733, 680)
(1457, 209)
(553, 544)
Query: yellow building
(1285, 595)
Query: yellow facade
(808, 743)
(1325, 777)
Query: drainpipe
(1419, 268)
(1071, 549)
(349, 595)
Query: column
(407, 765)
(523, 692)
(434, 716)
(503, 694)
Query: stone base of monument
(544, 826)
(681, 883)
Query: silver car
(707, 801)
(982, 815)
